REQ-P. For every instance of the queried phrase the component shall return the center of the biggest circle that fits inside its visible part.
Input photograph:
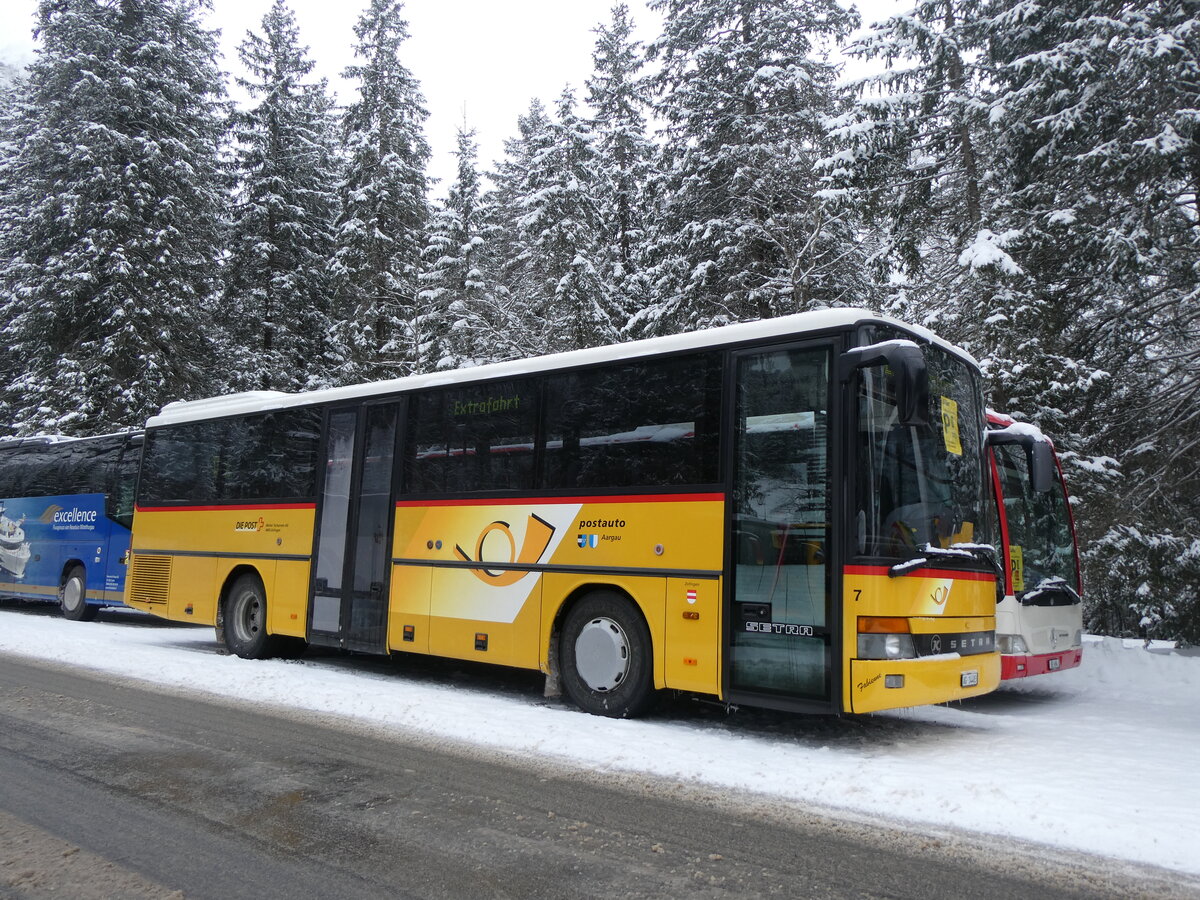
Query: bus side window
(472, 439)
(272, 456)
(9, 465)
(181, 465)
(632, 424)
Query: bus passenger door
(351, 555)
(779, 622)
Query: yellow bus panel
(693, 635)
(408, 608)
(273, 541)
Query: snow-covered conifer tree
(563, 225)
(114, 195)
(508, 323)
(745, 231)
(624, 157)
(383, 203)
(548, 204)
(912, 154)
(456, 300)
(11, 95)
(1100, 142)
(277, 288)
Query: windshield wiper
(960, 552)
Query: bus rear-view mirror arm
(909, 374)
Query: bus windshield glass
(921, 488)
(1039, 526)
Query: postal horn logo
(538, 533)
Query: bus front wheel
(245, 619)
(72, 597)
(605, 656)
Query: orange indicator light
(882, 625)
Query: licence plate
(1054, 663)
(971, 678)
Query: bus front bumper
(1022, 666)
(878, 684)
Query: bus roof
(800, 323)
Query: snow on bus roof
(1002, 422)
(264, 401)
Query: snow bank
(1099, 759)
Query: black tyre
(605, 654)
(245, 619)
(72, 597)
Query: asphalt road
(115, 789)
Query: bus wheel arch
(72, 593)
(605, 654)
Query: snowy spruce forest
(1021, 176)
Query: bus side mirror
(909, 374)
(1038, 452)
(1041, 466)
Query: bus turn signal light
(883, 625)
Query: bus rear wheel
(245, 619)
(72, 597)
(605, 656)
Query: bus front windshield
(1040, 542)
(920, 489)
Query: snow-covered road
(1101, 759)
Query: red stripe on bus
(544, 501)
(238, 507)
(923, 572)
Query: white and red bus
(1039, 623)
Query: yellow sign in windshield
(1017, 557)
(950, 426)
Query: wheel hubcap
(72, 593)
(247, 612)
(602, 654)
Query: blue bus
(66, 509)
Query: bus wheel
(72, 597)
(246, 619)
(605, 656)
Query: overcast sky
(478, 61)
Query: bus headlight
(884, 638)
(1011, 644)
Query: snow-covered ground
(1101, 759)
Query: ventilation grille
(150, 579)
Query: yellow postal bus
(788, 513)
